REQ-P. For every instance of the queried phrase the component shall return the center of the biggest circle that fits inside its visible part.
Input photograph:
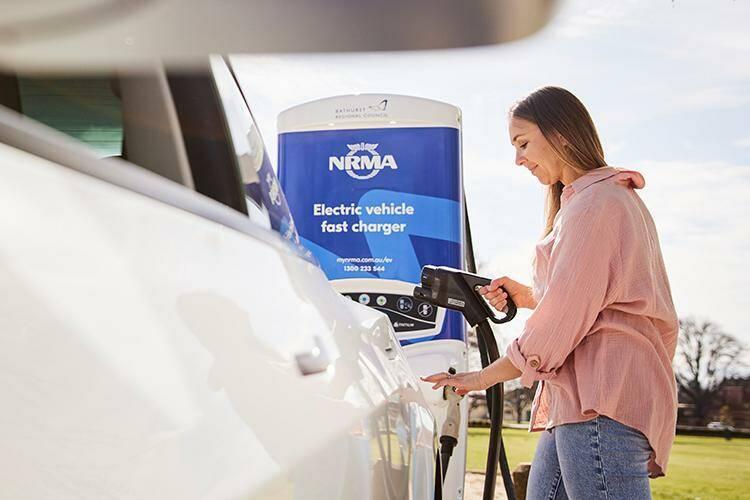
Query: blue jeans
(597, 459)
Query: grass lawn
(699, 467)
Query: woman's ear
(561, 140)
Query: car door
(159, 344)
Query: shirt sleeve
(582, 269)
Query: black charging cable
(488, 352)
(460, 290)
(496, 451)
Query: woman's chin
(544, 180)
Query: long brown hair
(570, 131)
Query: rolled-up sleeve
(581, 276)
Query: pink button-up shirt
(604, 331)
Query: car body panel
(151, 353)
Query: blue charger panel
(378, 203)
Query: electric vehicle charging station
(374, 185)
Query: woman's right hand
(521, 294)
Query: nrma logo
(362, 161)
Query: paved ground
(474, 485)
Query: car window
(266, 200)
(184, 133)
(84, 108)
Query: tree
(706, 355)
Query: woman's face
(534, 152)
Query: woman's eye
(523, 146)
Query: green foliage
(699, 467)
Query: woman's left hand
(463, 382)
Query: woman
(603, 330)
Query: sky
(668, 86)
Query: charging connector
(451, 425)
(459, 290)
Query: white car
(158, 343)
(720, 426)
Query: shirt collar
(589, 178)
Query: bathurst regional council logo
(362, 161)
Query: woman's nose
(519, 159)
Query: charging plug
(453, 412)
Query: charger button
(404, 304)
(425, 309)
